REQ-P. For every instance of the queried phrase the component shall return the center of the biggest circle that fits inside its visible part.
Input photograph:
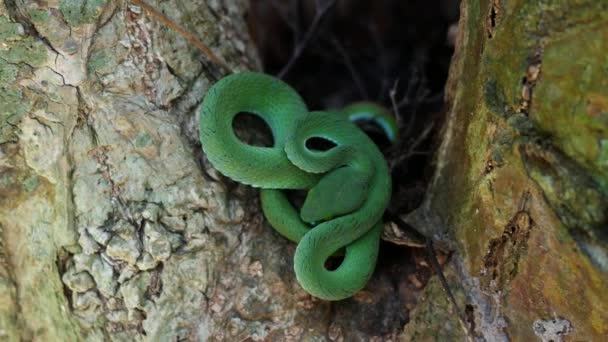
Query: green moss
(18, 51)
(554, 155)
(602, 159)
(27, 50)
(78, 12)
(11, 102)
(523, 125)
(13, 109)
(98, 61)
(38, 15)
(9, 30)
(8, 72)
(142, 140)
(495, 97)
(575, 197)
(573, 110)
(31, 183)
(502, 145)
(6, 180)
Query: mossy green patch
(571, 99)
(502, 144)
(8, 72)
(575, 197)
(529, 93)
(27, 50)
(31, 183)
(11, 102)
(9, 30)
(38, 15)
(602, 160)
(98, 61)
(495, 97)
(143, 140)
(78, 12)
(6, 180)
(13, 109)
(18, 51)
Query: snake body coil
(348, 184)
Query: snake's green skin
(348, 186)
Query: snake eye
(319, 144)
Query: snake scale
(348, 183)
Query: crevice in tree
(504, 252)
(493, 18)
(393, 53)
(469, 311)
(63, 258)
(529, 80)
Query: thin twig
(412, 146)
(299, 47)
(405, 100)
(419, 94)
(428, 99)
(420, 138)
(382, 61)
(351, 67)
(391, 95)
(183, 32)
(297, 18)
(461, 318)
(283, 16)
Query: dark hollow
(252, 130)
(319, 144)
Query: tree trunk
(521, 183)
(114, 227)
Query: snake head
(340, 192)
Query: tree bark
(520, 189)
(114, 227)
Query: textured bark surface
(520, 188)
(114, 227)
(110, 229)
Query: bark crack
(28, 26)
(504, 252)
(529, 80)
(493, 18)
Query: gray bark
(113, 225)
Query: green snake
(348, 184)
